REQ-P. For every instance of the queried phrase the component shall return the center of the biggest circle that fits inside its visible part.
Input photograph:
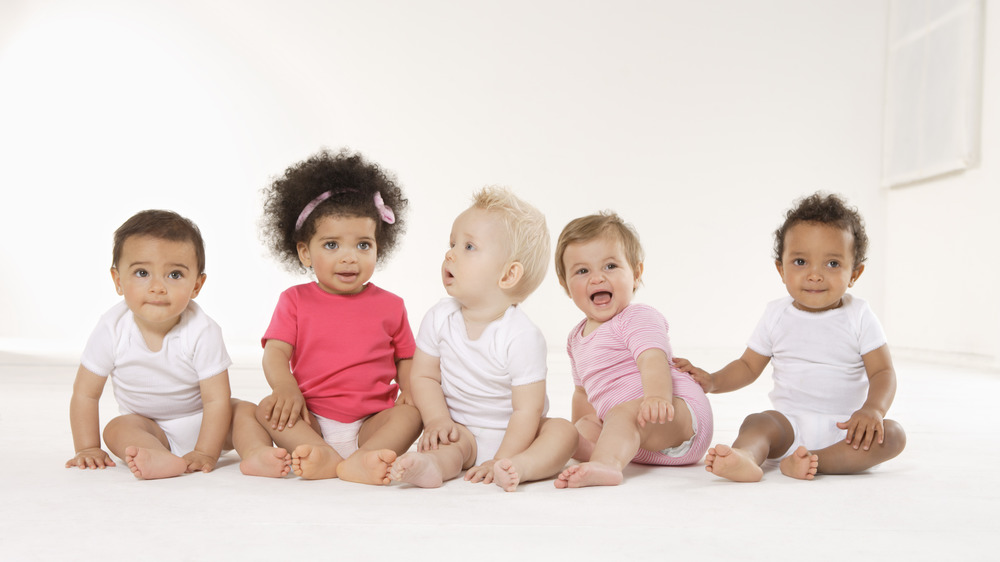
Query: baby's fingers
(870, 436)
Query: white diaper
(487, 442)
(182, 433)
(343, 437)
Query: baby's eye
(611, 266)
(331, 245)
(176, 275)
(469, 246)
(799, 261)
(141, 273)
(833, 263)
(582, 271)
(364, 246)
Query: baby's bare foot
(734, 464)
(367, 467)
(418, 469)
(315, 462)
(150, 464)
(505, 475)
(801, 464)
(267, 461)
(589, 474)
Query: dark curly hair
(353, 182)
(830, 210)
(165, 225)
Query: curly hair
(527, 235)
(585, 229)
(165, 225)
(828, 209)
(352, 183)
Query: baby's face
(816, 266)
(158, 278)
(477, 257)
(342, 253)
(599, 278)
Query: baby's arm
(657, 388)
(425, 380)
(216, 418)
(733, 376)
(403, 368)
(85, 423)
(866, 425)
(528, 402)
(285, 405)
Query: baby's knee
(561, 426)
(895, 437)
(761, 419)
(261, 413)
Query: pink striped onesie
(604, 364)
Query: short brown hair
(587, 228)
(166, 225)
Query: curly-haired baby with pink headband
(338, 350)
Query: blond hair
(585, 229)
(527, 235)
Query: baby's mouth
(600, 298)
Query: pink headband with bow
(385, 213)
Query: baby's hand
(199, 461)
(284, 407)
(655, 409)
(700, 376)
(482, 473)
(91, 458)
(441, 432)
(864, 427)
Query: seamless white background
(700, 123)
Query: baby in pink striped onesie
(630, 403)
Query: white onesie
(162, 385)
(477, 375)
(819, 374)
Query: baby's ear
(512, 275)
(638, 277)
(855, 274)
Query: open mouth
(600, 298)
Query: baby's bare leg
(762, 436)
(253, 443)
(144, 447)
(618, 443)
(589, 428)
(395, 428)
(432, 468)
(843, 458)
(382, 438)
(545, 457)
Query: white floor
(938, 499)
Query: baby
(168, 362)
(833, 375)
(479, 371)
(630, 404)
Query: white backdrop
(700, 123)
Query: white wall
(943, 272)
(700, 122)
